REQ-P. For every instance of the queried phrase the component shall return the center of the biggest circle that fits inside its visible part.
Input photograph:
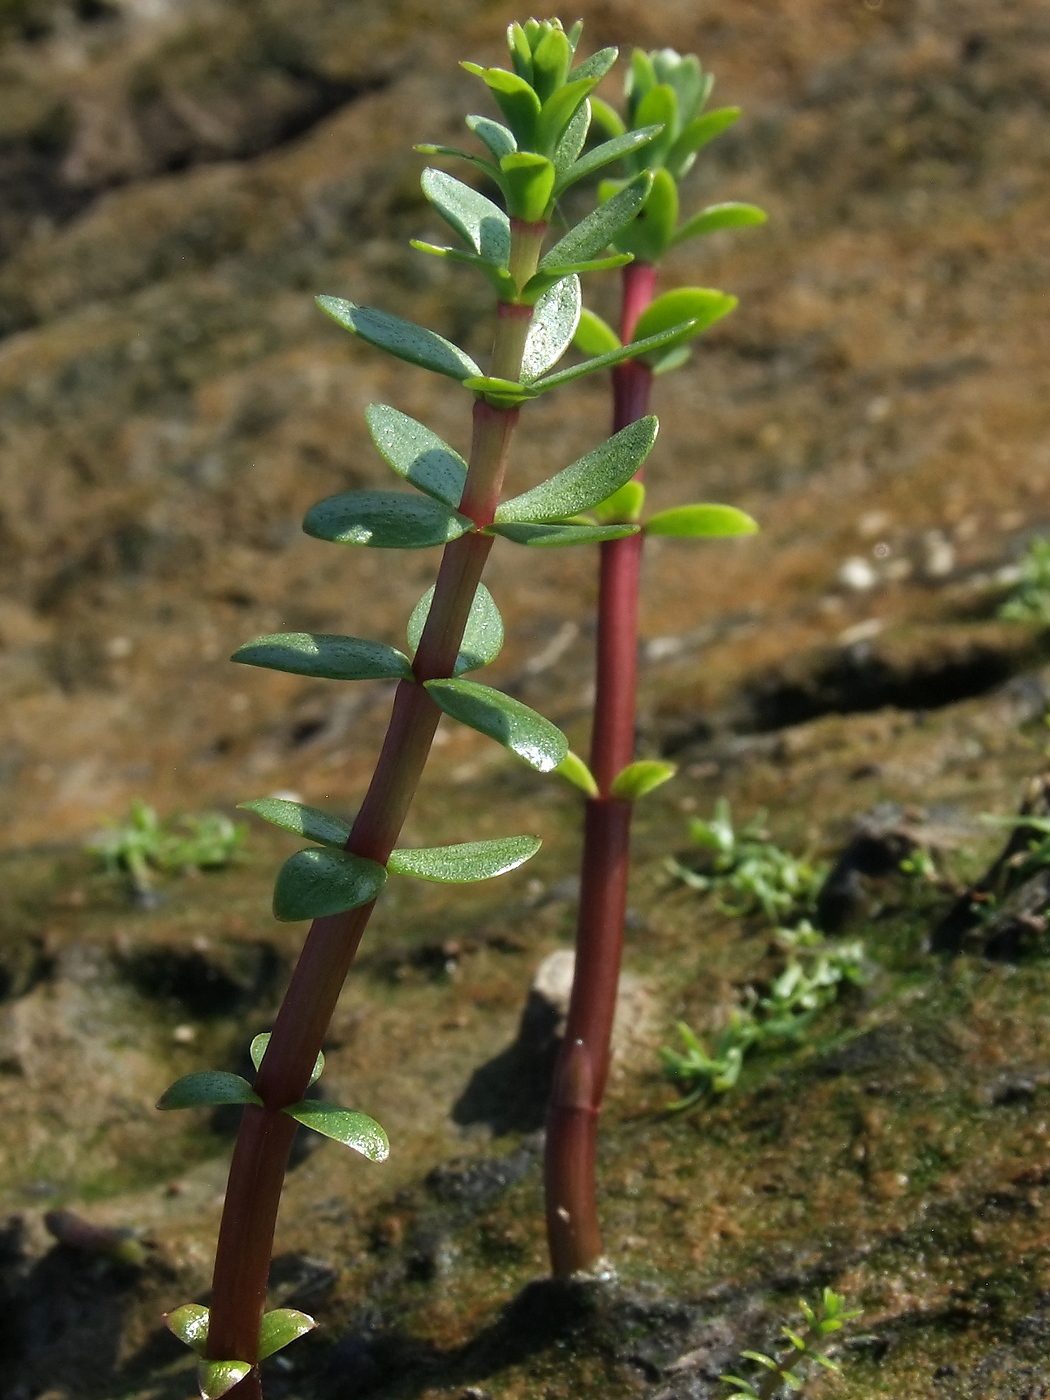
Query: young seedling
(530, 157)
(666, 95)
(1029, 600)
(811, 1343)
(143, 845)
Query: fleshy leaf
(325, 656)
(573, 769)
(464, 863)
(501, 393)
(512, 724)
(314, 883)
(597, 65)
(668, 360)
(560, 108)
(593, 235)
(606, 117)
(649, 235)
(637, 779)
(281, 1326)
(476, 219)
(573, 139)
(700, 522)
(401, 338)
(352, 1129)
(528, 179)
(625, 504)
(384, 520)
(720, 216)
(541, 282)
(190, 1325)
(553, 534)
(516, 100)
(604, 154)
(257, 1050)
(206, 1088)
(659, 107)
(553, 326)
(607, 361)
(695, 135)
(215, 1378)
(494, 135)
(699, 305)
(591, 479)
(595, 336)
(506, 287)
(482, 638)
(417, 454)
(427, 148)
(300, 820)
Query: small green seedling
(1029, 600)
(143, 845)
(811, 1343)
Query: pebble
(857, 574)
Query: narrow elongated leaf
(482, 638)
(428, 149)
(512, 724)
(586, 482)
(700, 522)
(401, 338)
(281, 1326)
(607, 361)
(720, 216)
(607, 117)
(300, 820)
(516, 100)
(625, 504)
(466, 862)
(313, 883)
(659, 107)
(649, 235)
(559, 109)
(384, 520)
(701, 306)
(668, 360)
(352, 1129)
(597, 65)
(594, 234)
(500, 278)
(553, 326)
(551, 62)
(573, 769)
(637, 779)
(325, 656)
(551, 535)
(190, 1325)
(496, 137)
(541, 282)
(417, 454)
(604, 154)
(476, 219)
(595, 336)
(696, 134)
(572, 142)
(215, 1378)
(257, 1050)
(207, 1087)
(501, 393)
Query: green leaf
(500, 393)
(314, 883)
(637, 779)
(325, 656)
(720, 216)
(572, 142)
(670, 359)
(529, 182)
(384, 520)
(649, 236)
(559, 109)
(482, 638)
(597, 65)
(606, 117)
(700, 522)
(496, 137)
(516, 99)
(467, 862)
(352, 1129)
(541, 282)
(659, 106)
(417, 454)
(476, 219)
(551, 61)
(695, 135)
(512, 724)
(429, 149)
(586, 482)
(403, 339)
(607, 361)
(300, 820)
(595, 336)
(502, 281)
(699, 305)
(281, 1326)
(604, 154)
(257, 1050)
(215, 1378)
(553, 534)
(552, 328)
(593, 234)
(206, 1088)
(625, 504)
(190, 1325)
(573, 769)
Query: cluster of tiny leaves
(811, 1343)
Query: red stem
(573, 1228)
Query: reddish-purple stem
(573, 1228)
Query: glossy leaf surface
(593, 234)
(482, 638)
(637, 779)
(190, 1324)
(281, 1326)
(206, 1088)
(417, 454)
(552, 328)
(551, 535)
(257, 1050)
(475, 218)
(325, 656)
(215, 1378)
(586, 482)
(343, 1125)
(700, 522)
(300, 820)
(314, 882)
(467, 862)
(512, 724)
(573, 769)
(401, 338)
(720, 216)
(384, 520)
